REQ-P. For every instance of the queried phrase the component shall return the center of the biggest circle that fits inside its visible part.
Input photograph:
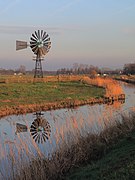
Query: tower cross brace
(38, 68)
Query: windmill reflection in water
(40, 128)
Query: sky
(93, 32)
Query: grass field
(118, 164)
(13, 94)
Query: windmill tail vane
(21, 45)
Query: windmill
(40, 45)
(40, 128)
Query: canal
(43, 132)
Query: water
(62, 125)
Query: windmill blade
(35, 123)
(35, 136)
(45, 37)
(32, 39)
(33, 43)
(44, 138)
(44, 51)
(21, 45)
(33, 46)
(33, 35)
(33, 130)
(33, 127)
(38, 139)
(47, 48)
(38, 34)
(35, 49)
(47, 44)
(40, 51)
(38, 121)
(33, 133)
(45, 135)
(46, 40)
(42, 34)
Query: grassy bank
(118, 164)
(26, 97)
(105, 155)
(28, 93)
(19, 98)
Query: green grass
(118, 164)
(29, 93)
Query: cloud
(27, 29)
(13, 30)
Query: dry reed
(111, 86)
(74, 152)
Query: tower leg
(38, 69)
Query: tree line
(129, 68)
(90, 69)
(76, 69)
(79, 69)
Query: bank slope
(118, 164)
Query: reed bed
(70, 153)
(111, 86)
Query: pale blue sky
(97, 32)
